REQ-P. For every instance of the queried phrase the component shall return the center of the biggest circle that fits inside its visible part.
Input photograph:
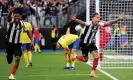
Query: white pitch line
(109, 75)
(104, 72)
(64, 75)
(56, 75)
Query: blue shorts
(123, 38)
(26, 46)
(76, 44)
(36, 41)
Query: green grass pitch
(48, 66)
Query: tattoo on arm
(111, 22)
(80, 22)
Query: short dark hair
(18, 11)
(94, 14)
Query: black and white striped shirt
(88, 36)
(14, 32)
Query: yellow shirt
(24, 37)
(67, 40)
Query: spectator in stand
(123, 41)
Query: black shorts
(87, 48)
(12, 50)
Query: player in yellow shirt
(26, 42)
(68, 42)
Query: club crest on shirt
(18, 27)
(94, 29)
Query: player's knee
(95, 55)
(85, 60)
(73, 51)
(17, 57)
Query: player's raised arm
(78, 21)
(120, 17)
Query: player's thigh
(17, 51)
(92, 47)
(24, 47)
(84, 50)
(28, 46)
(8, 47)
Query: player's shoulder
(28, 23)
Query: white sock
(92, 72)
(68, 64)
(11, 75)
(73, 65)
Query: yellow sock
(69, 58)
(73, 63)
(26, 58)
(30, 56)
(38, 48)
(35, 47)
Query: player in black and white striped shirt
(13, 44)
(87, 43)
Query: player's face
(124, 28)
(17, 18)
(97, 19)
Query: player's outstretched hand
(73, 18)
(121, 17)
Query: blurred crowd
(36, 10)
(36, 7)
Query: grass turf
(48, 66)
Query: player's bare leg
(14, 68)
(67, 61)
(30, 58)
(26, 57)
(95, 63)
(73, 60)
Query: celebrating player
(27, 42)
(13, 43)
(87, 43)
